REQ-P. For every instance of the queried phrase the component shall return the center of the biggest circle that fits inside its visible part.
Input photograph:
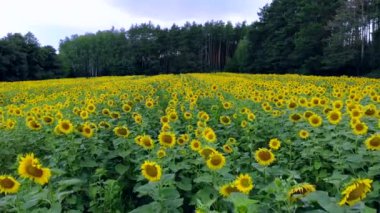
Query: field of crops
(197, 142)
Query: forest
(340, 37)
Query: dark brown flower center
(151, 170)
(7, 183)
(375, 142)
(34, 171)
(264, 155)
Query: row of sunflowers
(217, 142)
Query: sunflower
(315, 120)
(227, 105)
(227, 148)
(84, 114)
(115, 115)
(264, 156)
(173, 116)
(87, 131)
(295, 117)
(292, 105)
(161, 153)
(165, 127)
(225, 120)
(164, 119)
(91, 108)
(308, 114)
(121, 131)
(360, 128)
(274, 143)
(338, 104)
(251, 116)
(151, 171)
(48, 119)
(216, 161)
(209, 135)
(187, 115)
(106, 111)
(356, 113)
(227, 189)
(137, 118)
(8, 184)
(30, 167)
(243, 124)
(65, 127)
(303, 134)
(356, 191)
(299, 191)
(34, 125)
(127, 108)
(373, 142)
(244, 183)
(167, 139)
(334, 116)
(231, 141)
(104, 124)
(206, 152)
(146, 142)
(195, 145)
(149, 103)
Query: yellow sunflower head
(151, 171)
(251, 116)
(127, 108)
(303, 134)
(227, 189)
(87, 131)
(225, 120)
(360, 128)
(65, 127)
(167, 139)
(146, 142)
(299, 191)
(295, 117)
(187, 115)
(209, 135)
(121, 131)
(334, 117)
(315, 120)
(356, 191)
(227, 148)
(264, 156)
(274, 143)
(373, 142)
(48, 119)
(161, 153)
(34, 125)
(30, 167)
(195, 145)
(84, 114)
(244, 183)
(206, 152)
(8, 184)
(216, 161)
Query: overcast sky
(52, 20)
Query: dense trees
(291, 36)
(149, 49)
(22, 57)
(318, 37)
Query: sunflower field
(218, 142)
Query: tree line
(339, 37)
(149, 49)
(325, 37)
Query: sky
(52, 20)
